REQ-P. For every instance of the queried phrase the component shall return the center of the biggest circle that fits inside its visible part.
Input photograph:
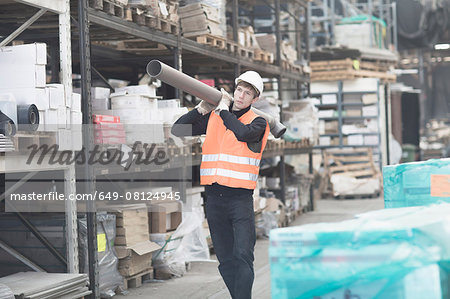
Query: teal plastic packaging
(410, 184)
(393, 253)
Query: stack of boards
(40, 285)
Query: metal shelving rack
(94, 58)
(17, 163)
(341, 118)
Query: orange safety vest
(227, 161)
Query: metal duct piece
(28, 117)
(177, 79)
(7, 125)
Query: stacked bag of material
(416, 183)
(46, 285)
(110, 281)
(302, 121)
(395, 253)
(199, 19)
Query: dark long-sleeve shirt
(251, 133)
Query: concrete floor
(204, 281)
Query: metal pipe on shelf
(171, 76)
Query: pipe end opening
(154, 68)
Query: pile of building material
(435, 140)
(110, 281)
(47, 285)
(161, 15)
(132, 243)
(247, 41)
(23, 84)
(416, 183)
(339, 63)
(386, 254)
(302, 121)
(267, 42)
(200, 19)
(351, 172)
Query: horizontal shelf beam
(103, 19)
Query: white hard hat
(253, 78)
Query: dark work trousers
(231, 222)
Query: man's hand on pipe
(224, 103)
(205, 107)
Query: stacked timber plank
(199, 19)
(351, 172)
(331, 64)
(47, 285)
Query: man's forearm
(197, 121)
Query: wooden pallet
(298, 144)
(232, 47)
(290, 66)
(273, 145)
(359, 196)
(349, 64)
(144, 19)
(176, 151)
(138, 46)
(136, 280)
(356, 163)
(113, 8)
(343, 69)
(263, 56)
(246, 53)
(351, 74)
(23, 140)
(168, 26)
(210, 40)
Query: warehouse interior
(100, 199)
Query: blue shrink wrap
(416, 183)
(392, 253)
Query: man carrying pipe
(232, 151)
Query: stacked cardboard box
(199, 19)
(132, 243)
(23, 75)
(164, 216)
(108, 130)
(137, 108)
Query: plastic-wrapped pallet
(417, 183)
(393, 253)
(109, 277)
(6, 292)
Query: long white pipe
(171, 76)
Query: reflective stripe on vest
(231, 159)
(229, 174)
(226, 160)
